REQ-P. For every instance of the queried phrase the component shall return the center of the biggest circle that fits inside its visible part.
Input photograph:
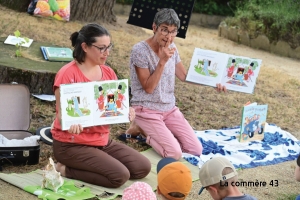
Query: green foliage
(105, 88)
(96, 92)
(239, 169)
(109, 88)
(278, 19)
(125, 2)
(20, 43)
(70, 101)
(216, 7)
(71, 112)
(124, 87)
(244, 62)
(113, 85)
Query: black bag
(32, 6)
(14, 124)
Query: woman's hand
(221, 88)
(75, 129)
(131, 114)
(165, 52)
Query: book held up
(237, 73)
(94, 103)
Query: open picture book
(237, 73)
(253, 122)
(94, 103)
(13, 40)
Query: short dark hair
(87, 34)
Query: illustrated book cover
(57, 53)
(237, 73)
(253, 122)
(94, 103)
(13, 40)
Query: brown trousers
(109, 166)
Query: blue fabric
(297, 197)
(276, 147)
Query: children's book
(44, 52)
(57, 53)
(94, 103)
(253, 122)
(237, 73)
(13, 40)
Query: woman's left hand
(221, 88)
(131, 114)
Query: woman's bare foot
(61, 168)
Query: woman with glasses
(88, 154)
(154, 64)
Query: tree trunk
(93, 10)
(18, 5)
(37, 82)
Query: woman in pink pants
(154, 63)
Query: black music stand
(143, 11)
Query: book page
(76, 101)
(13, 40)
(111, 102)
(253, 122)
(241, 73)
(207, 67)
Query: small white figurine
(52, 179)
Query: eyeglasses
(104, 49)
(165, 32)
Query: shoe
(124, 136)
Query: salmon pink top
(92, 136)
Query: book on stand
(253, 122)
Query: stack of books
(57, 53)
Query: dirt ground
(284, 70)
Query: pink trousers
(168, 133)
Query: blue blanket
(276, 147)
